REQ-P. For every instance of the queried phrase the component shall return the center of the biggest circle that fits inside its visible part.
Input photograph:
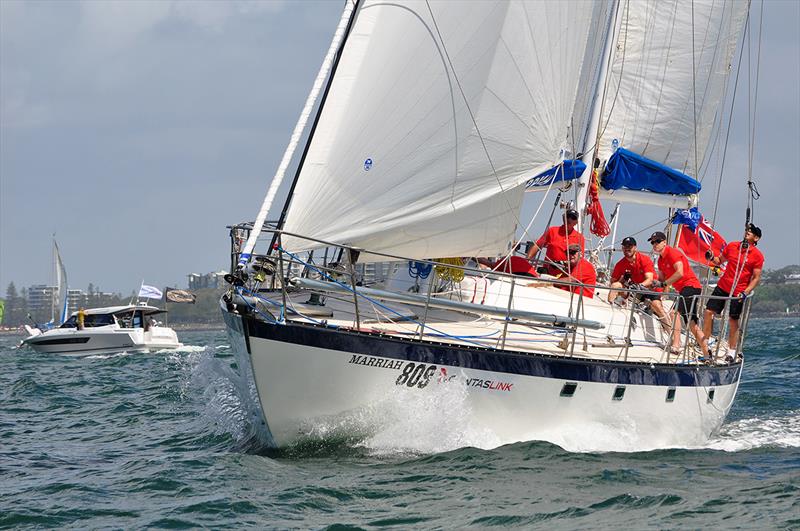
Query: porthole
(619, 392)
(569, 389)
(711, 396)
(671, 394)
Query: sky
(136, 131)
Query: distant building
(209, 280)
(794, 278)
(42, 302)
(76, 299)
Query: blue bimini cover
(626, 169)
(566, 171)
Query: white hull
(103, 340)
(311, 391)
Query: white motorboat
(426, 148)
(130, 328)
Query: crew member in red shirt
(556, 240)
(516, 265)
(636, 271)
(580, 270)
(744, 262)
(674, 270)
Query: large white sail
(667, 78)
(437, 115)
(62, 286)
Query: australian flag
(697, 236)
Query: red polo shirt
(666, 264)
(556, 240)
(749, 260)
(584, 273)
(641, 264)
(518, 266)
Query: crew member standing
(744, 267)
(674, 270)
(81, 318)
(556, 240)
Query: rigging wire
(525, 233)
(730, 120)
(753, 194)
(694, 93)
(471, 114)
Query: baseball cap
(573, 248)
(629, 241)
(657, 236)
(572, 213)
(755, 230)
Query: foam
(759, 432)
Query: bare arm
(677, 275)
(753, 281)
(532, 251)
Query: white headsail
(437, 115)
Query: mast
(345, 22)
(592, 137)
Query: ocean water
(164, 440)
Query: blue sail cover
(626, 169)
(566, 171)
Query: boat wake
(184, 348)
(224, 397)
(759, 432)
(424, 423)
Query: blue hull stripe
(542, 365)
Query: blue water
(163, 440)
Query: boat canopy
(626, 169)
(146, 310)
(566, 171)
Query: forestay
(438, 114)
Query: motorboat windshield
(90, 321)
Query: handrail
(507, 312)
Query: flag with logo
(179, 295)
(697, 236)
(149, 292)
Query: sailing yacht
(367, 295)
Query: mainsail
(667, 79)
(438, 114)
